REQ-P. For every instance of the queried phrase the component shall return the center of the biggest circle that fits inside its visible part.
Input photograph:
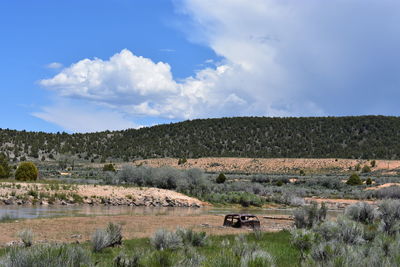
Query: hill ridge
(265, 137)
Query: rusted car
(242, 220)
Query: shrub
(366, 169)
(124, 260)
(386, 192)
(354, 180)
(182, 161)
(109, 237)
(5, 169)
(190, 237)
(164, 239)
(390, 216)
(220, 179)
(302, 240)
(99, 240)
(325, 252)
(327, 230)
(114, 232)
(26, 171)
(349, 232)
(302, 173)
(308, 216)
(26, 236)
(373, 163)
(369, 181)
(109, 168)
(190, 258)
(357, 167)
(46, 255)
(361, 212)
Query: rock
(8, 201)
(44, 203)
(14, 243)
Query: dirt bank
(44, 194)
(73, 229)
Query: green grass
(277, 244)
(7, 218)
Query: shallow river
(27, 212)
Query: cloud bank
(280, 58)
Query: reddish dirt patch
(383, 186)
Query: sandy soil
(99, 191)
(382, 186)
(73, 229)
(262, 165)
(337, 203)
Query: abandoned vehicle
(242, 220)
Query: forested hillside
(318, 137)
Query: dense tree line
(320, 137)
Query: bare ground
(73, 229)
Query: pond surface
(29, 212)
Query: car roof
(238, 214)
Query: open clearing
(72, 229)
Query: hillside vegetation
(318, 137)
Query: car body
(242, 220)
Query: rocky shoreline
(145, 202)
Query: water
(30, 212)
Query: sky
(94, 65)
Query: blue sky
(82, 66)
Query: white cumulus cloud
(279, 58)
(54, 65)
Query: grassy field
(276, 244)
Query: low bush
(109, 237)
(26, 171)
(47, 255)
(308, 216)
(354, 180)
(220, 179)
(361, 212)
(192, 238)
(5, 170)
(164, 239)
(26, 237)
(182, 161)
(390, 216)
(302, 240)
(109, 168)
(385, 193)
(366, 169)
